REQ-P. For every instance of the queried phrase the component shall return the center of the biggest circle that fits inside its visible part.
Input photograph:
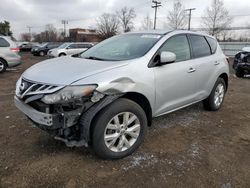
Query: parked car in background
(8, 53)
(107, 96)
(69, 49)
(27, 47)
(242, 62)
(43, 49)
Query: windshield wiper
(95, 58)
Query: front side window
(73, 46)
(4, 43)
(122, 47)
(200, 46)
(179, 46)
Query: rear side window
(4, 43)
(178, 45)
(200, 46)
(84, 45)
(213, 44)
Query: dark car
(242, 63)
(27, 47)
(43, 50)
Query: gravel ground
(188, 148)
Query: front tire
(216, 98)
(62, 54)
(118, 130)
(41, 53)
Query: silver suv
(107, 96)
(69, 49)
(8, 53)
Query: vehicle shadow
(46, 144)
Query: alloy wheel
(219, 95)
(122, 132)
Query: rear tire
(239, 73)
(118, 130)
(216, 98)
(3, 66)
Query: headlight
(68, 94)
(18, 83)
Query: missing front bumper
(50, 121)
(34, 115)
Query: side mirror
(167, 57)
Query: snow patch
(143, 160)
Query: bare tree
(49, 35)
(107, 25)
(126, 17)
(216, 18)
(176, 17)
(147, 23)
(25, 37)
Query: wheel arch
(2, 59)
(89, 117)
(143, 102)
(62, 53)
(224, 76)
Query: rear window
(200, 46)
(4, 43)
(213, 44)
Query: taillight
(15, 50)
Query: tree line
(214, 21)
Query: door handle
(216, 63)
(190, 70)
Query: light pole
(156, 5)
(190, 15)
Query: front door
(175, 82)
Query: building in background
(83, 35)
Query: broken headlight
(68, 94)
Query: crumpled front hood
(66, 70)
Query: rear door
(5, 51)
(82, 47)
(204, 59)
(72, 49)
(175, 83)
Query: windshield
(64, 45)
(44, 44)
(122, 47)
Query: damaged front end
(64, 112)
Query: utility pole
(156, 5)
(29, 27)
(64, 22)
(190, 15)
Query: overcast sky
(83, 13)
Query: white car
(69, 49)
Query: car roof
(165, 32)
(157, 32)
